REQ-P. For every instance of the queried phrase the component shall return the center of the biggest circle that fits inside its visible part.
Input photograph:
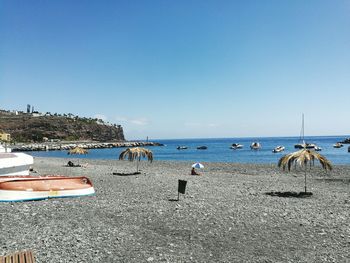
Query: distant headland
(35, 127)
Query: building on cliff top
(5, 136)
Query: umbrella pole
(137, 165)
(305, 177)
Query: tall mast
(302, 129)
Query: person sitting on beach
(71, 164)
(193, 172)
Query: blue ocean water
(219, 150)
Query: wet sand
(225, 215)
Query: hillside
(29, 128)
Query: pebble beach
(224, 216)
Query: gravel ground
(225, 215)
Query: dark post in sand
(181, 189)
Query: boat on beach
(15, 163)
(278, 149)
(28, 188)
(255, 146)
(235, 146)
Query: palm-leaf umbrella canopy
(136, 153)
(303, 158)
(78, 150)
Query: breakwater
(84, 145)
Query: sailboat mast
(303, 126)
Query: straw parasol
(78, 150)
(136, 153)
(303, 158)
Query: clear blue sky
(180, 69)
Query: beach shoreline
(225, 215)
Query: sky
(181, 69)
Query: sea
(219, 150)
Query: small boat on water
(346, 141)
(305, 145)
(181, 147)
(27, 188)
(278, 149)
(338, 145)
(235, 146)
(15, 163)
(202, 147)
(349, 149)
(255, 146)
(317, 148)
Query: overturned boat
(235, 146)
(278, 149)
(255, 146)
(27, 188)
(15, 163)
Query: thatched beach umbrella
(303, 158)
(78, 150)
(136, 154)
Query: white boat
(235, 146)
(15, 164)
(255, 146)
(181, 147)
(278, 149)
(302, 144)
(317, 148)
(338, 145)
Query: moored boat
(255, 146)
(181, 147)
(305, 145)
(236, 146)
(202, 147)
(278, 149)
(338, 145)
(317, 148)
(26, 188)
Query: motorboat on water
(235, 146)
(278, 149)
(26, 188)
(15, 163)
(317, 148)
(305, 145)
(255, 146)
(338, 145)
(181, 147)
(202, 147)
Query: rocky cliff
(26, 128)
